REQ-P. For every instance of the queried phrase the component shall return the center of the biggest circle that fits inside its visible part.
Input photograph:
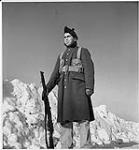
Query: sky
(32, 39)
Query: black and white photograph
(70, 75)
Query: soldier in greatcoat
(74, 75)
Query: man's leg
(85, 137)
(66, 137)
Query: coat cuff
(89, 88)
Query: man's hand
(89, 92)
(44, 94)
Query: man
(74, 75)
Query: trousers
(67, 134)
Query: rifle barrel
(49, 141)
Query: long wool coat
(73, 103)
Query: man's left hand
(89, 92)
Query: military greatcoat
(73, 103)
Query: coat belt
(72, 68)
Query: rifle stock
(48, 117)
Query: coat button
(66, 59)
(65, 87)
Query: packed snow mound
(108, 127)
(23, 121)
(23, 125)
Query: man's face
(68, 39)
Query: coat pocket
(77, 76)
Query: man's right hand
(44, 94)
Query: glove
(44, 94)
(89, 92)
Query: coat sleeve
(88, 66)
(54, 76)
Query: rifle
(48, 117)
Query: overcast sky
(33, 38)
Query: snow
(23, 121)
